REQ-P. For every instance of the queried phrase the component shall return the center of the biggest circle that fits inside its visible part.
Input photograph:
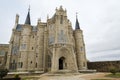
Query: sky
(99, 20)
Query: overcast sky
(99, 20)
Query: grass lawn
(117, 75)
(29, 78)
(100, 79)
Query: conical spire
(77, 23)
(27, 21)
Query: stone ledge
(36, 72)
(87, 71)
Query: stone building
(49, 46)
(3, 54)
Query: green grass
(117, 75)
(100, 79)
(28, 78)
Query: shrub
(16, 76)
(3, 73)
(113, 71)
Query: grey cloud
(99, 20)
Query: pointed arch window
(36, 65)
(0, 62)
(49, 61)
(21, 64)
(61, 19)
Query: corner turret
(80, 47)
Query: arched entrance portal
(61, 63)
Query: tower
(25, 46)
(80, 47)
(60, 45)
(12, 56)
(40, 51)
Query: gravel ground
(86, 76)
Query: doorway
(61, 63)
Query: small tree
(113, 70)
(3, 73)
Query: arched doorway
(61, 63)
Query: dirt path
(86, 76)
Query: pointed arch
(61, 63)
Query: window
(61, 19)
(18, 64)
(6, 53)
(36, 54)
(32, 48)
(61, 32)
(36, 65)
(21, 64)
(13, 65)
(61, 36)
(23, 46)
(2, 52)
(13, 61)
(0, 62)
(21, 37)
(31, 62)
(81, 49)
(51, 27)
(84, 64)
(17, 38)
(49, 61)
(19, 55)
(15, 49)
(65, 64)
(51, 39)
